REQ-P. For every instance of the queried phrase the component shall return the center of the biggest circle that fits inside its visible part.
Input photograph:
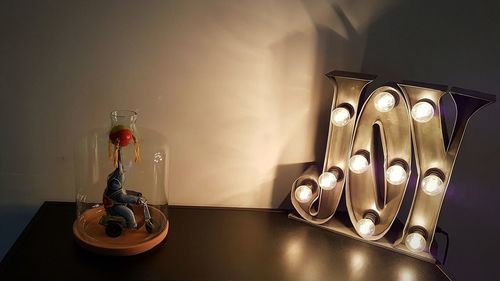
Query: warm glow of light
(432, 185)
(366, 227)
(396, 174)
(327, 180)
(303, 193)
(294, 250)
(415, 242)
(407, 274)
(384, 102)
(422, 111)
(357, 261)
(340, 116)
(358, 164)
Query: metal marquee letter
(398, 118)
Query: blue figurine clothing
(116, 199)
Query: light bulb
(384, 102)
(415, 242)
(303, 193)
(366, 227)
(422, 111)
(327, 180)
(432, 185)
(340, 116)
(358, 164)
(396, 174)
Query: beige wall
(236, 86)
(238, 89)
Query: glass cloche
(121, 175)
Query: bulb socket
(420, 230)
(401, 163)
(427, 101)
(339, 174)
(372, 215)
(311, 183)
(435, 172)
(364, 153)
(347, 106)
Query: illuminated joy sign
(369, 152)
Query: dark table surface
(209, 244)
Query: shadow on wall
(332, 51)
(453, 43)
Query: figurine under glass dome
(121, 221)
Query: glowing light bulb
(432, 185)
(422, 111)
(384, 102)
(358, 164)
(366, 227)
(340, 116)
(415, 242)
(303, 193)
(327, 180)
(396, 174)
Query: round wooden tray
(92, 236)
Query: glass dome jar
(121, 176)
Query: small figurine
(119, 221)
(117, 201)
